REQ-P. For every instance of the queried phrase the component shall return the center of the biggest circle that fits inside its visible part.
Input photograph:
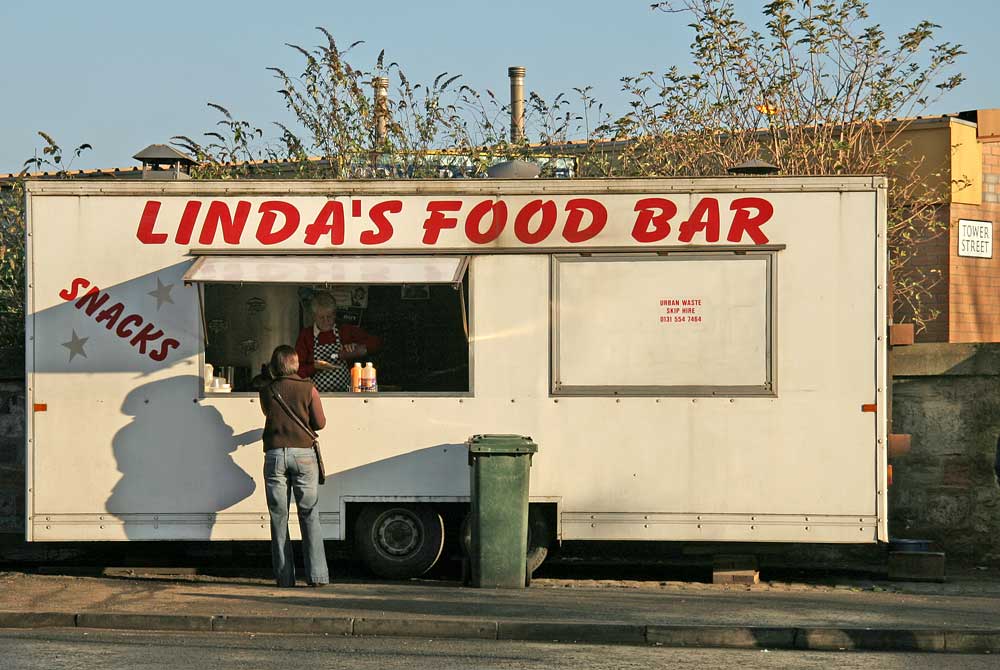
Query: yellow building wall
(966, 165)
(948, 157)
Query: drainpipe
(516, 74)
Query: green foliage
(229, 152)
(813, 90)
(12, 267)
(817, 92)
(12, 244)
(52, 157)
(443, 124)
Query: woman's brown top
(282, 431)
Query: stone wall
(948, 398)
(11, 456)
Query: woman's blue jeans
(289, 472)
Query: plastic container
(368, 379)
(356, 378)
(500, 467)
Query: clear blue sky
(122, 75)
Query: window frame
(463, 275)
(766, 390)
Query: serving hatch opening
(410, 311)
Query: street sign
(975, 238)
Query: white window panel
(696, 324)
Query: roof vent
(162, 162)
(755, 166)
(514, 169)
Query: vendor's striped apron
(335, 380)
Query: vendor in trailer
(327, 350)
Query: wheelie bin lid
(501, 444)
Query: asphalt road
(74, 649)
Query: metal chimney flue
(381, 85)
(516, 74)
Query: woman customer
(291, 404)
(326, 350)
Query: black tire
(399, 541)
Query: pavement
(961, 616)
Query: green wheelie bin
(500, 467)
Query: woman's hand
(323, 365)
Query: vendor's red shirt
(349, 334)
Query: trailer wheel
(399, 541)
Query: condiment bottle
(356, 378)
(368, 382)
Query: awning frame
(203, 256)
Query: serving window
(415, 307)
(691, 323)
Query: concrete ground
(961, 615)
(54, 649)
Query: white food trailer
(698, 359)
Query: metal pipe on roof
(516, 74)
(381, 85)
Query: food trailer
(697, 359)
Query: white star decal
(75, 346)
(162, 294)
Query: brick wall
(974, 287)
(931, 258)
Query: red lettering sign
(680, 310)
(270, 210)
(188, 218)
(146, 223)
(329, 220)
(458, 223)
(148, 340)
(704, 217)
(232, 223)
(573, 233)
(437, 221)
(498, 214)
(383, 229)
(531, 211)
(743, 222)
(653, 222)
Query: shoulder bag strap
(288, 410)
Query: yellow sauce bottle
(356, 378)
